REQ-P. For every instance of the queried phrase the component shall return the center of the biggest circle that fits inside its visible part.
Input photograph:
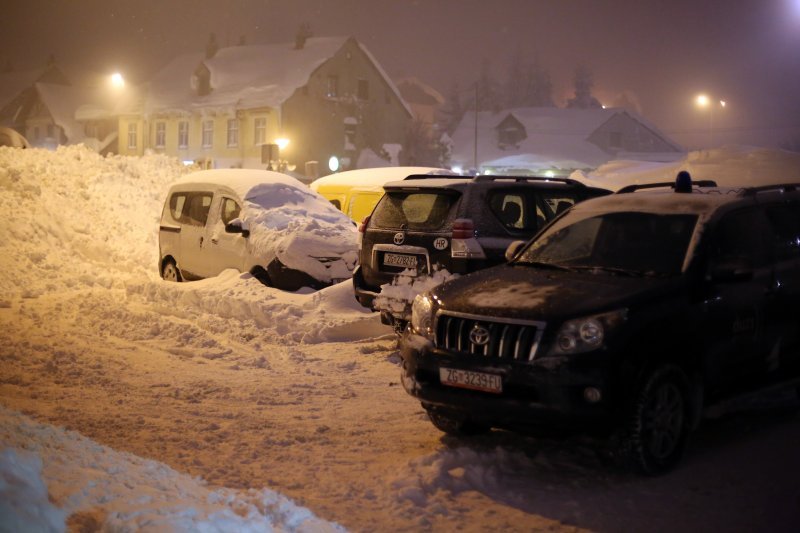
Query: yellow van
(356, 192)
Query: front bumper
(549, 393)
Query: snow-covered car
(256, 221)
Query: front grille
(507, 339)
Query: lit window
(260, 134)
(332, 88)
(208, 133)
(132, 135)
(183, 134)
(161, 134)
(233, 132)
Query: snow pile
(396, 297)
(75, 219)
(93, 484)
(729, 166)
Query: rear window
(413, 210)
(526, 209)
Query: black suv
(428, 223)
(628, 314)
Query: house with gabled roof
(43, 105)
(556, 142)
(291, 105)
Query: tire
(170, 272)
(658, 423)
(261, 275)
(455, 424)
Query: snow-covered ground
(223, 405)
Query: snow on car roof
(241, 181)
(664, 201)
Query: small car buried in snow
(256, 221)
(626, 315)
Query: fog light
(592, 395)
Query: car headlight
(587, 333)
(422, 315)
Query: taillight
(362, 228)
(463, 228)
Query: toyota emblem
(399, 237)
(479, 335)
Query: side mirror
(513, 248)
(235, 226)
(732, 269)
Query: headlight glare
(586, 334)
(422, 315)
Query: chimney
(302, 35)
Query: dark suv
(626, 315)
(426, 223)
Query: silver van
(257, 221)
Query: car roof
(699, 201)
(240, 180)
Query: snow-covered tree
(516, 86)
(487, 92)
(452, 111)
(583, 90)
(539, 87)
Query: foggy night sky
(746, 52)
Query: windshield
(635, 243)
(413, 210)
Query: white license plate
(471, 380)
(400, 260)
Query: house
(290, 106)
(556, 142)
(45, 106)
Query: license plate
(400, 260)
(471, 380)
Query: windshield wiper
(540, 264)
(613, 270)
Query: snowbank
(48, 474)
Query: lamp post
(703, 101)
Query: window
(196, 208)
(413, 211)
(208, 133)
(363, 90)
(161, 134)
(183, 134)
(332, 88)
(260, 133)
(233, 132)
(742, 235)
(132, 135)
(230, 210)
(785, 221)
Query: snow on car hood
(298, 226)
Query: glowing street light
(704, 101)
(117, 81)
(282, 143)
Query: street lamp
(704, 101)
(117, 81)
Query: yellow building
(295, 105)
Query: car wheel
(659, 421)
(261, 275)
(455, 424)
(170, 272)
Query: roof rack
(436, 177)
(567, 181)
(670, 184)
(783, 187)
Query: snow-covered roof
(556, 138)
(62, 101)
(245, 76)
(13, 83)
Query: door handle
(214, 241)
(201, 242)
